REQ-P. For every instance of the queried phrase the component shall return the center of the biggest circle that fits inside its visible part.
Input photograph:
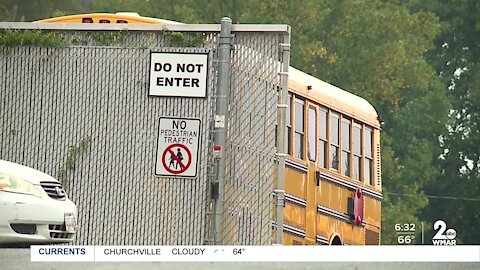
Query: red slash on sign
(175, 155)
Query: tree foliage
(456, 59)
(29, 10)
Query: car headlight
(11, 183)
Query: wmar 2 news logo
(444, 236)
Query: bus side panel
(333, 196)
(311, 209)
(294, 215)
(329, 226)
(323, 194)
(348, 232)
(372, 213)
(295, 212)
(295, 183)
(290, 239)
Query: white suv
(34, 208)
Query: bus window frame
(345, 119)
(289, 126)
(301, 100)
(359, 155)
(337, 115)
(314, 107)
(371, 180)
(325, 141)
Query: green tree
(187, 11)
(457, 60)
(30, 10)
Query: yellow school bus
(332, 175)
(332, 179)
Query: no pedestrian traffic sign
(178, 144)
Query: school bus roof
(331, 96)
(129, 16)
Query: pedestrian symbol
(177, 163)
(176, 158)
(178, 144)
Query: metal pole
(220, 125)
(282, 126)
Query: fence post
(282, 126)
(221, 124)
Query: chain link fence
(81, 113)
(248, 199)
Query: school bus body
(319, 206)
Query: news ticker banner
(255, 253)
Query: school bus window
(312, 138)
(357, 151)
(334, 139)
(299, 127)
(368, 156)
(346, 146)
(323, 137)
(288, 141)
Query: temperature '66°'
(405, 233)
